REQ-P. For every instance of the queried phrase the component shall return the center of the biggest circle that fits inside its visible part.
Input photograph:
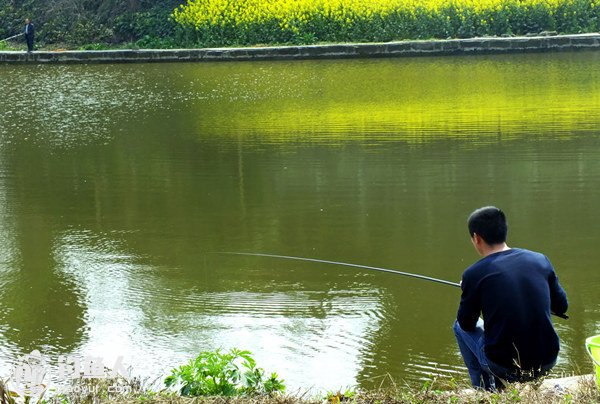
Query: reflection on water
(117, 181)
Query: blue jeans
(471, 344)
(483, 372)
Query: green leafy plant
(8, 46)
(218, 373)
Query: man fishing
(515, 290)
(29, 34)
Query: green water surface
(117, 181)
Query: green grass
(7, 46)
(433, 391)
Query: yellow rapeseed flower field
(305, 21)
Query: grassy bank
(430, 392)
(233, 377)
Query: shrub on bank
(74, 23)
(4, 46)
(246, 22)
(217, 373)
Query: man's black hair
(490, 223)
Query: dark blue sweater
(515, 291)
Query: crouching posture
(515, 290)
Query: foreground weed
(337, 397)
(217, 373)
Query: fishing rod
(9, 38)
(347, 264)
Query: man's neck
(492, 249)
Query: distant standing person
(29, 34)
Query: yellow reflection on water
(412, 100)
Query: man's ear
(477, 241)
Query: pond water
(117, 182)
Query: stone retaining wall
(338, 51)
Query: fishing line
(347, 264)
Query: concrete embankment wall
(338, 51)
